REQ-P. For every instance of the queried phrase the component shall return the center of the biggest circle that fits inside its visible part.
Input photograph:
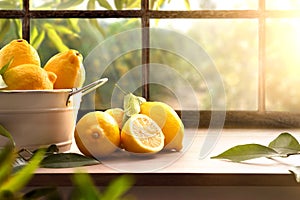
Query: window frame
(259, 118)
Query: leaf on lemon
(5, 67)
(285, 144)
(246, 152)
(132, 104)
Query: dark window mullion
(261, 58)
(26, 21)
(145, 48)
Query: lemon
(140, 134)
(21, 52)
(68, 68)
(169, 122)
(97, 134)
(117, 114)
(28, 77)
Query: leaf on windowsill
(246, 152)
(67, 160)
(285, 144)
(296, 172)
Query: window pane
(10, 29)
(11, 5)
(283, 4)
(283, 65)
(232, 46)
(85, 5)
(84, 36)
(205, 5)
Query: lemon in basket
(68, 68)
(28, 77)
(20, 52)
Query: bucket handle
(87, 89)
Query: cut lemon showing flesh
(169, 122)
(140, 134)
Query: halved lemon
(140, 134)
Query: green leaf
(95, 24)
(18, 29)
(69, 3)
(105, 4)
(66, 30)
(38, 193)
(132, 104)
(118, 187)
(19, 180)
(118, 4)
(38, 40)
(246, 152)
(91, 5)
(7, 157)
(7, 5)
(187, 4)
(286, 144)
(5, 133)
(84, 188)
(5, 27)
(66, 160)
(132, 4)
(296, 172)
(74, 24)
(55, 38)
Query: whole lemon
(68, 68)
(169, 122)
(21, 52)
(97, 134)
(28, 77)
(117, 114)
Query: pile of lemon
(20, 68)
(155, 127)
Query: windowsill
(187, 168)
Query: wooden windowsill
(190, 167)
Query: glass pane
(85, 5)
(283, 4)
(51, 36)
(10, 29)
(283, 65)
(232, 46)
(11, 5)
(204, 5)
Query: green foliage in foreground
(16, 172)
